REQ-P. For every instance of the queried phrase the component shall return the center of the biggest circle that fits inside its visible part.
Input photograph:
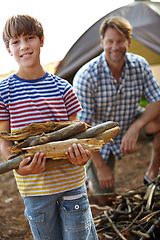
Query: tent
(144, 17)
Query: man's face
(115, 46)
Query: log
(88, 143)
(53, 150)
(80, 128)
(108, 135)
(11, 164)
(98, 129)
(35, 129)
(57, 150)
(14, 163)
(58, 135)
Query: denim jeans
(63, 216)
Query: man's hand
(105, 174)
(78, 155)
(34, 166)
(129, 140)
(106, 177)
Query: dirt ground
(13, 224)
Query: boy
(56, 200)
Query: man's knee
(153, 127)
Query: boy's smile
(26, 55)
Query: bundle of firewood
(54, 138)
(134, 215)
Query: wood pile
(54, 138)
(134, 215)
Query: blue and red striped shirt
(49, 98)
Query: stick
(101, 208)
(98, 129)
(11, 164)
(141, 234)
(150, 231)
(114, 227)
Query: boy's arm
(4, 126)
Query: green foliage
(143, 102)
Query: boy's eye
(31, 37)
(14, 42)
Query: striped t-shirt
(49, 98)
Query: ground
(13, 224)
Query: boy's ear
(9, 51)
(42, 41)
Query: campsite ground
(13, 224)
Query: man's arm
(150, 119)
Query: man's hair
(118, 23)
(21, 25)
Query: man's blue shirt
(102, 99)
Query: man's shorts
(143, 133)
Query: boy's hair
(21, 24)
(118, 23)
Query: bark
(14, 163)
(53, 150)
(98, 129)
(58, 135)
(34, 129)
(11, 164)
(56, 150)
(108, 135)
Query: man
(109, 87)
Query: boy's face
(26, 50)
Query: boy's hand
(78, 155)
(32, 166)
